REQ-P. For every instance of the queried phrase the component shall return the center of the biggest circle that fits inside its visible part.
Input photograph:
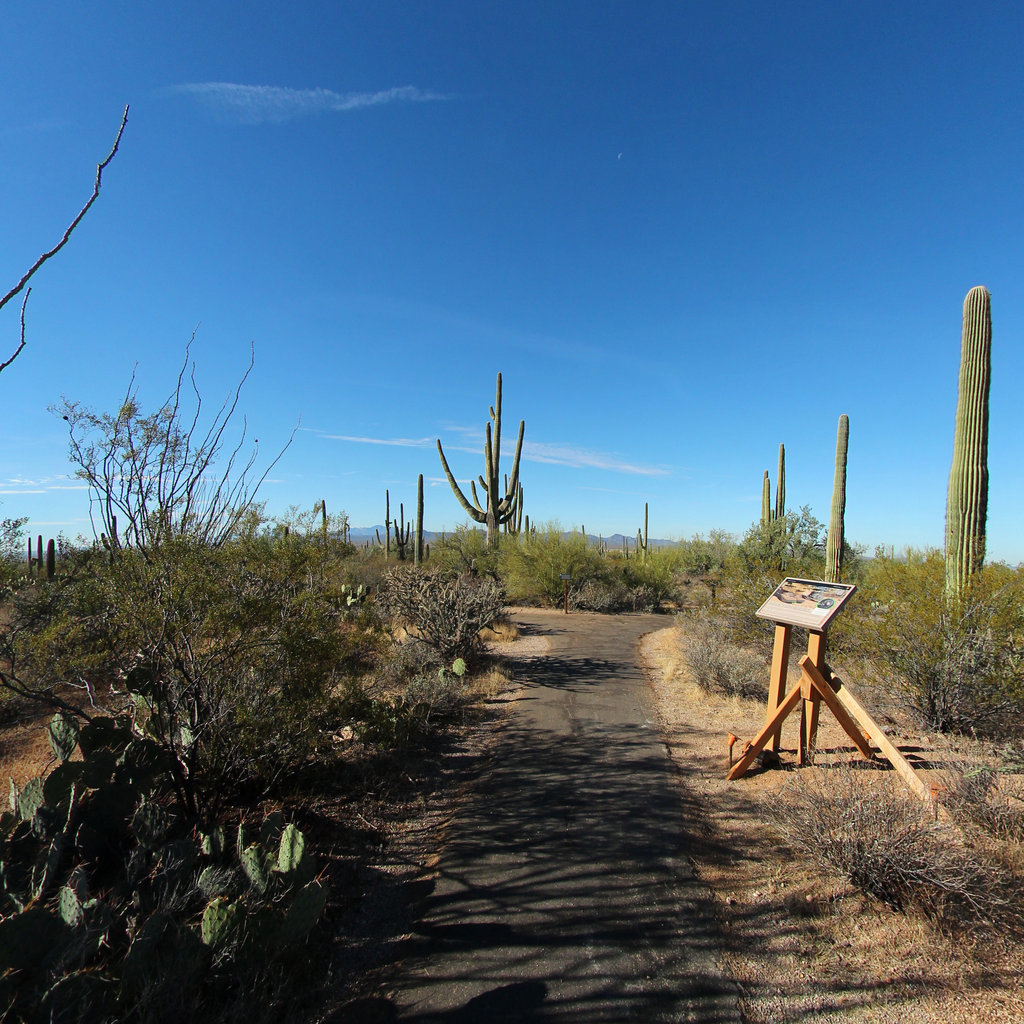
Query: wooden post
(777, 682)
(812, 701)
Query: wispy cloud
(400, 442)
(583, 458)
(533, 451)
(21, 485)
(261, 104)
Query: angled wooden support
(771, 728)
(826, 690)
(812, 701)
(884, 744)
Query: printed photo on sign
(808, 603)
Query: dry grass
(802, 941)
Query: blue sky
(683, 232)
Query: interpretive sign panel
(811, 604)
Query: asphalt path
(564, 892)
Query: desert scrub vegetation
(958, 664)
(890, 845)
(202, 662)
(442, 611)
(531, 567)
(719, 665)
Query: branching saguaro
(500, 504)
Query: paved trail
(564, 892)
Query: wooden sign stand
(818, 683)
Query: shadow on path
(564, 892)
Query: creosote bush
(889, 845)
(959, 666)
(986, 798)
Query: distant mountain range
(359, 534)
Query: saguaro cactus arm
(471, 510)
(967, 500)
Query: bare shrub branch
(153, 477)
(27, 276)
(890, 846)
(442, 611)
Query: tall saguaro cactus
(836, 522)
(766, 500)
(780, 486)
(641, 540)
(497, 508)
(386, 543)
(967, 500)
(418, 551)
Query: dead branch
(27, 276)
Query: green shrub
(465, 550)
(227, 655)
(532, 566)
(958, 666)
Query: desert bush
(439, 694)
(465, 550)
(442, 611)
(532, 566)
(889, 845)
(720, 666)
(790, 546)
(226, 657)
(162, 475)
(959, 665)
(977, 794)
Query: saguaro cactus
(497, 508)
(418, 553)
(387, 527)
(766, 500)
(836, 524)
(641, 544)
(401, 532)
(780, 485)
(967, 500)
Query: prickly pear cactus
(221, 922)
(63, 735)
(303, 913)
(291, 851)
(69, 907)
(255, 867)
